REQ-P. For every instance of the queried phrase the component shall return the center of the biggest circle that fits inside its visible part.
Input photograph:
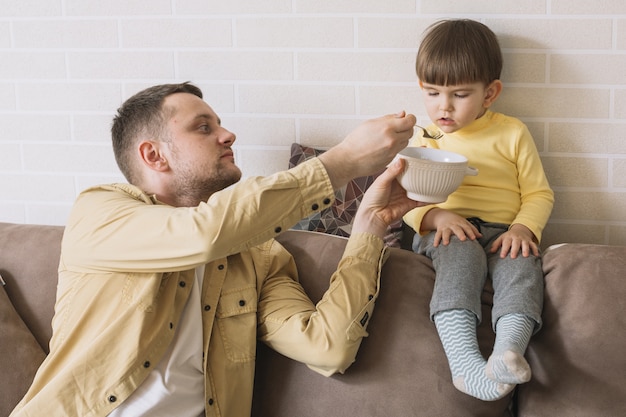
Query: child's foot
(508, 368)
(457, 331)
(476, 384)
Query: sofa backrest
(577, 358)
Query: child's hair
(457, 52)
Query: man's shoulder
(102, 201)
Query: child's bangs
(444, 71)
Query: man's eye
(205, 128)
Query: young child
(491, 225)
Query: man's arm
(131, 231)
(327, 336)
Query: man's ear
(152, 156)
(492, 92)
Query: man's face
(200, 154)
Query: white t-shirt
(175, 387)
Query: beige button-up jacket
(125, 274)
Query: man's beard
(192, 189)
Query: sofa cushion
(577, 359)
(20, 356)
(400, 370)
(337, 219)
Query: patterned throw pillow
(337, 219)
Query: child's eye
(461, 95)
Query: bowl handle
(471, 171)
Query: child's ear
(492, 92)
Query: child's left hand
(517, 239)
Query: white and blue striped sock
(457, 331)
(507, 364)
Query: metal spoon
(429, 135)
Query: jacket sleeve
(120, 228)
(325, 336)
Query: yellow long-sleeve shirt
(511, 186)
(126, 270)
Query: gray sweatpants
(463, 266)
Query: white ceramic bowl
(431, 175)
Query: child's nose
(445, 104)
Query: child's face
(453, 107)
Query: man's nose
(227, 137)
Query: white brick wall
(279, 71)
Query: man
(166, 283)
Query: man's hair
(143, 116)
(457, 52)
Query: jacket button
(146, 364)
(182, 284)
(315, 207)
(112, 398)
(278, 229)
(327, 201)
(210, 402)
(242, 303)
(220, 267)
(207, 307)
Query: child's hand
(517, 238)
(447, 224)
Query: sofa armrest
(29, 261)
(577, 358)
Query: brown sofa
(578, 358)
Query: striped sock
(507, 364)
(457, 331)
